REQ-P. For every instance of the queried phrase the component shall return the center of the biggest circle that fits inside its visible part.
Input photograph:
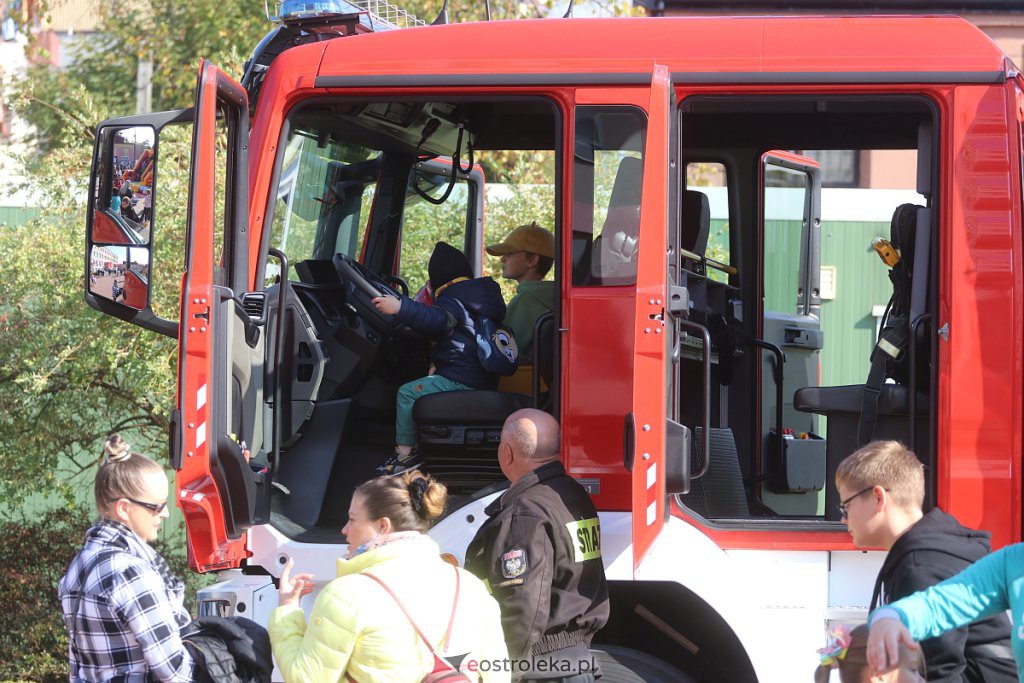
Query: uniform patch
(586, 538)
(514, 563)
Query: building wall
(1007, 30)
(891, 169)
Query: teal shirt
(533, 298)
(993, 584)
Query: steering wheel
(357, 274)
(364, 286)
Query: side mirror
(122, 216)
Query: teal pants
(405, 428)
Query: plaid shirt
(127, 622)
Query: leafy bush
(33, 641)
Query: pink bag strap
(451, 618)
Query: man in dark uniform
(540, 554)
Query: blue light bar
(376, 15)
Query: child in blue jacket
(459, 300)
(992, 585)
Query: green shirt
(533, 298)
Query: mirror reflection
(123, 208)
(120, 274)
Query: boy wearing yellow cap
(527, 254)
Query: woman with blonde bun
(121, 605)
(392, 591)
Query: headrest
(903, 228)
(624, 203)
(628, 183)
(696, 221)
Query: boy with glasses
(881, 487)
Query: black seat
(696, 226)
(841, 407)
(458, 432)
(468, 408)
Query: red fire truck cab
(687, 338)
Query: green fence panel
(13, 216)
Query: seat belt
(883, 352)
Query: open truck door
(646, 427)
(224, 461)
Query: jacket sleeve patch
(514, 563)
(586, 538)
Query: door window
(786, 197)
(608, 168)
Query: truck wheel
(623, 665)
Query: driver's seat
(458, 432)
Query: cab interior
(365, 189)
(776, 342)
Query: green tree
(68, 375)
(103, 66)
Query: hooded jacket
(452, 322)
(357, 630)
(932, 550)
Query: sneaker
(397, 464)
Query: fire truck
(680, 360)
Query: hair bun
(417, 489)
(116, 449)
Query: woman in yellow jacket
(356, 631)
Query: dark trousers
(578, 678)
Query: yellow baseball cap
(531, 238)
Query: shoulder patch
(514, 563)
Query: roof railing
(391, 15)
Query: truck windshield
(324, 197)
